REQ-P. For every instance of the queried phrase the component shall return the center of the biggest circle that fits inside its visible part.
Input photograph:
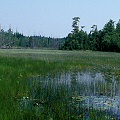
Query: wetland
(52, 84)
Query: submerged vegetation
(30, 89)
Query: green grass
(17, 66)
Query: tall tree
(109, 27)
(118, 27)
(94, 38)
(117, 40)
(109, 35)
(75, 25)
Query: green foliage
(118, 27)
(8, 39)
(17, 66)
(75, 25)
(107, 39)
(109, 28)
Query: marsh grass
(17, 66)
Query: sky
(54, 17)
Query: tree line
(107, 39)
(10, 39)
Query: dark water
(88, 90)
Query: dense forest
(107, 39)
(10, 39)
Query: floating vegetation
(74, 94)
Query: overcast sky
(54, 17)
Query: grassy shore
(18, 65)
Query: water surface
(82, 89)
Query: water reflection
(88, 90)
(88, 84)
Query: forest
(12, 40)
(106, 39)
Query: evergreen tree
(93, 37)
(75, 25)
(118, 27)
(109, 34)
